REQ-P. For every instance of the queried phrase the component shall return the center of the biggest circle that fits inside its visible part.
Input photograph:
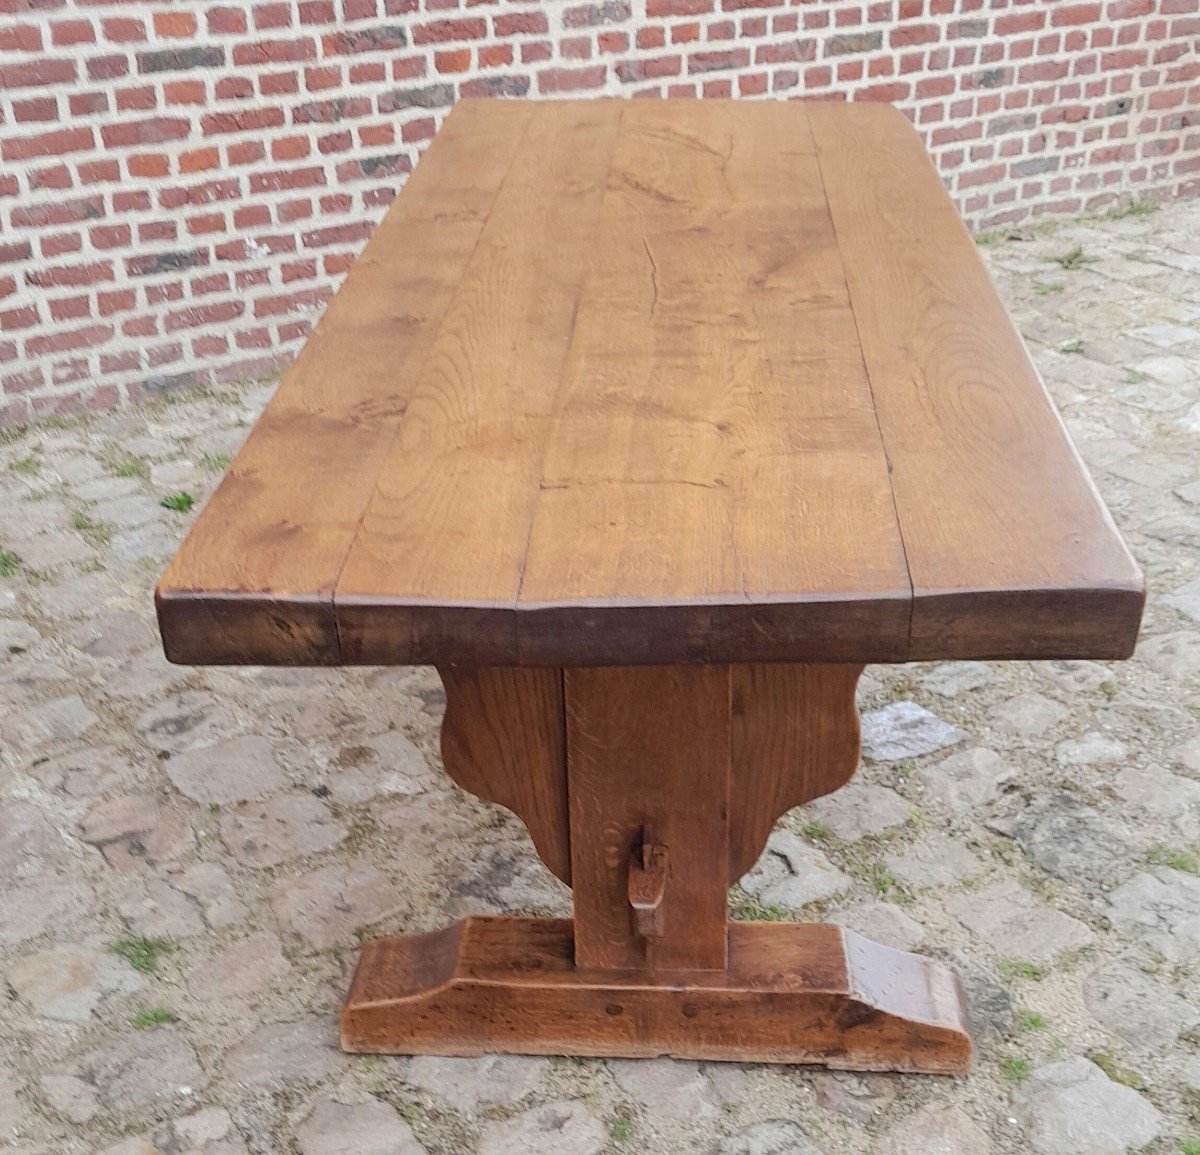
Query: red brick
(185, 92)
(148, 164)
(110, 236)
(71, 275)
(714, 61)
(226, 20)
(631, 71)
(521, 24)
(199, 160)
(316, 12)
(275, 51)
(107, 67)
(87, 103)
(441, 31)
(153, 130)
(248, 120)
(495, 55)
(140, 99)
(174, 25)
(906, 35)
(1067, 14)
(458, 60)
(54, 143)
(65, 32)
(39, 109)
(1020, 22)
(20, 38)
(70, 308)
(37, 73)
(657, 9)
(552, 80)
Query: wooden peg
(647, 884)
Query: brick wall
(182, 186)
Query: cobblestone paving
(191, 856)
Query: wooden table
(649, 423)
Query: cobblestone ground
(190, 856)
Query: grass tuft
(143, 954)
(1030, 1021)
(96, 533)
(149, 1017)
(180, 502)
(1012, 968)
(1015, 1070)
(216, 462)
(121, 463)
(1074, 258)
(1133, 208)
(28, 466)
(1176, 859)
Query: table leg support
(650, 789)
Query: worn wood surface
(503, 739)
(1008, 544)
(649, 746)
(795, 737)
(254, 581)
(793, 993)
(623, 383)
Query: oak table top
(625, 382)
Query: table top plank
(1010, 549)
(652, 382)
(696, 440)
(254, 580)
(441, 548)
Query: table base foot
(792, 993)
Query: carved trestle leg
(649, 790)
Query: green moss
(1133, 208)
(1174, 858)
(1116, 1072)
(29, 466)
(1011, 968)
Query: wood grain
(445, 530)
(1011, 552)
(793, 993)
(503, 740)
(795, 737)
(649, 745)
(254, 580)
(706, 448)
(634, 383)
